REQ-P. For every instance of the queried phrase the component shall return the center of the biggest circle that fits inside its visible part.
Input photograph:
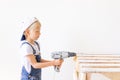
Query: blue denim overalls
(35, 74)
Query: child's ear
(26, 32)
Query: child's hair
(26, 24)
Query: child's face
(34, 31)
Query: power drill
(61, 55)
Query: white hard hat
(25, 24)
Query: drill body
(61, 55)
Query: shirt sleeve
(26, 49)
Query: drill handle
(56, 68)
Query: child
(32, 61)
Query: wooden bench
(96, 63)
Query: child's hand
(61, 61)
(57, 62)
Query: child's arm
(35, 64)
(43, 60)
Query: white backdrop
(88, 26)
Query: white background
(88, 26)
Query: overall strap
(30, 45)
(37, 45)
